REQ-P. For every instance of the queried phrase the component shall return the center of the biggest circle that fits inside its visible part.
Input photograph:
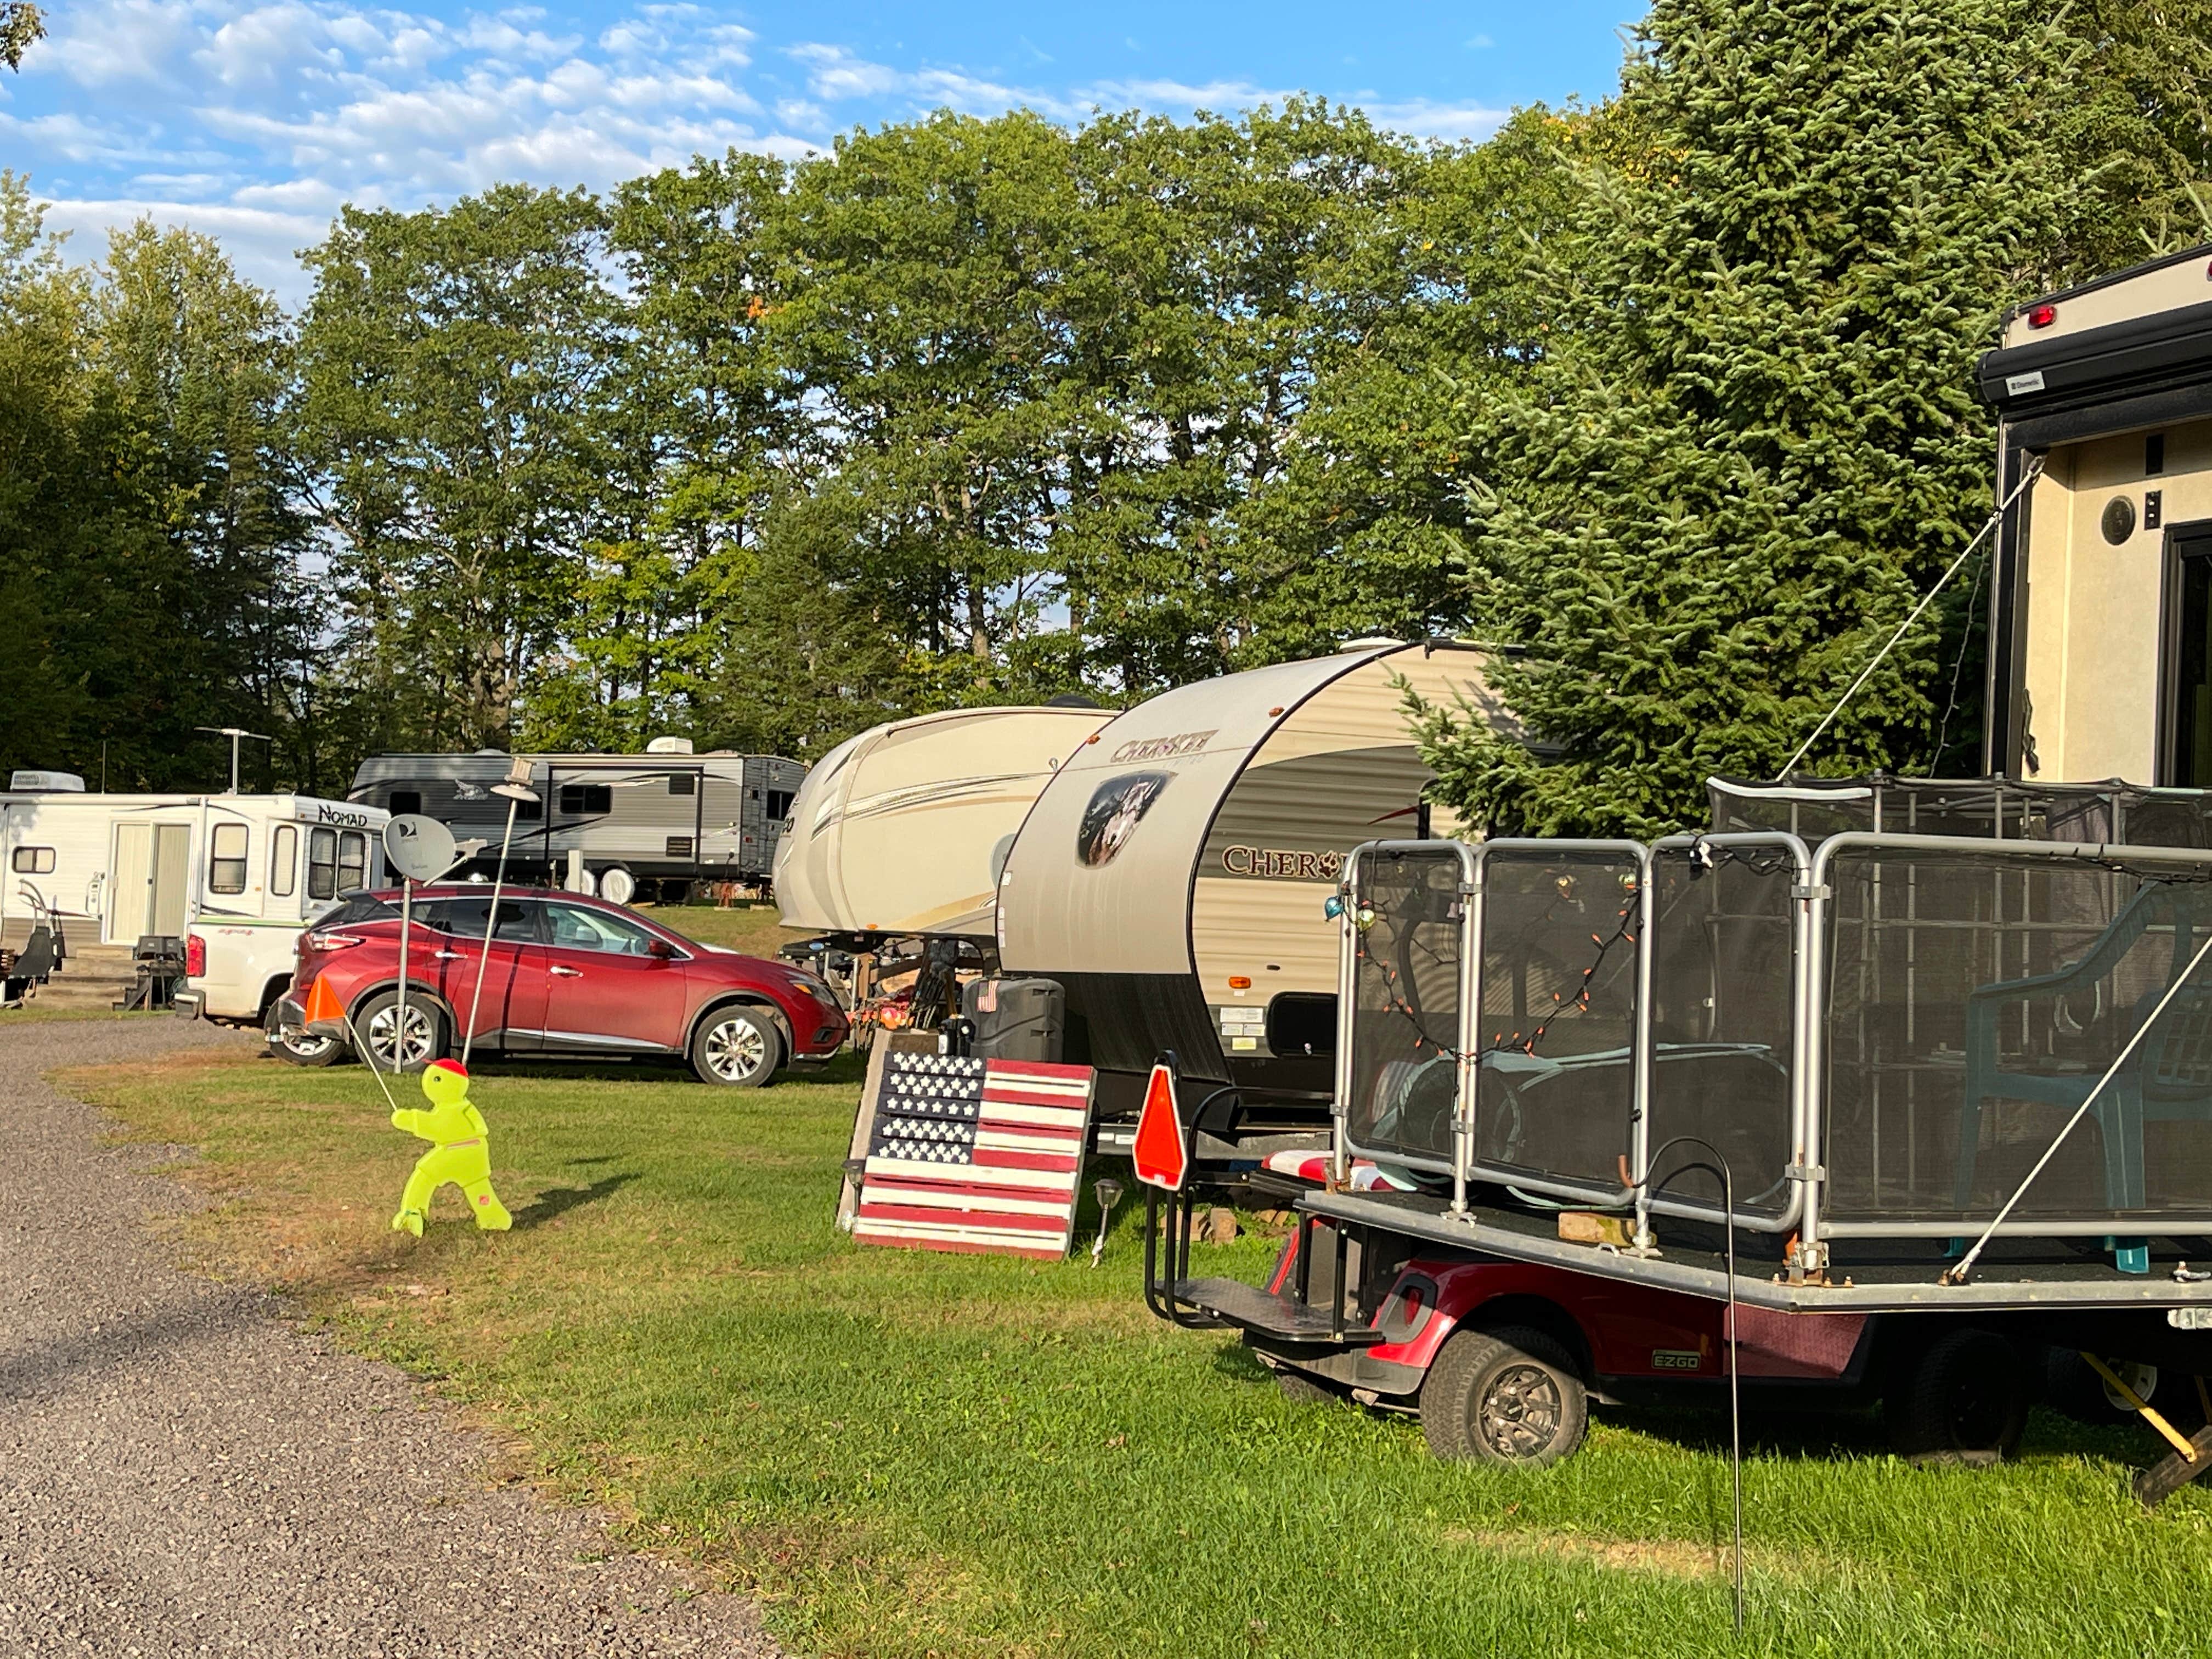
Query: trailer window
(779, 803)
(353, 860)
(587, 797)
(406, 800)
(683, 783)
(33, 861)
(227, 859)
(283, 860)
(322, 863)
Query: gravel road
(184, 1471)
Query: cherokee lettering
(1145, 749)
(1279, 864)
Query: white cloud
(1425, 119)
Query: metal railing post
(1468, 1071)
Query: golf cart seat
(2168, 1078)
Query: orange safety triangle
(323, 1005)
(1160, 1151)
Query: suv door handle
(567, 973)
(445, 956)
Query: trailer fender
(1431, 1299)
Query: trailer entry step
(1249, 1308)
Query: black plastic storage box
(1016, 1019)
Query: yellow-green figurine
(460, 1151)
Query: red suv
(567, 976)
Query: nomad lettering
(1145, 749)
(1284, 866)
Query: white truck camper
(236, 877)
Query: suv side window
(464, 918)
(354, 911)
(575, 928)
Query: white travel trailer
(2100, 620)
(1172, 874)
(903, 830)
(240, 875)
(666, 816)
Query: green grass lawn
(912, 1455)
(751, 928)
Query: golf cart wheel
(738, 1047)
(1504, 1396)
(378, 1022)
(616, 885)
(1301, 1389)
(1964, 1403)
(299, 1045)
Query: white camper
(1172, 873)
(237, 875)
(902, 829)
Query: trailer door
(2185, 682)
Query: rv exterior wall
(2185, 280)
(1340, 769)
(2094, 609)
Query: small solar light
(1109, 1193)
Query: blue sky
(252, 120)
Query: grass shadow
(557, 1201)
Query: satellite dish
(419, 849)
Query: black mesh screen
(1557, 1087)
(1406, 974)
(1972, 1004)
(1723, 976)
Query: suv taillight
(312, 943)
(195, 956)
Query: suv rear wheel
(377, 1024)
(737, 1046)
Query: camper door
(152, 862)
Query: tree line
(1671, 393)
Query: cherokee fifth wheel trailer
(1172, 872)
(2108, 388)
(666, 816)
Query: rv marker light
(2042, 316)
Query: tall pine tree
(1762, 445)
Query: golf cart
(1903, 1103)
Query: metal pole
(1467, 1075)
(491, 921)
(400, 1014)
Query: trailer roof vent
(669, 746)
(45, 783)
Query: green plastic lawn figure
(460, 1151)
